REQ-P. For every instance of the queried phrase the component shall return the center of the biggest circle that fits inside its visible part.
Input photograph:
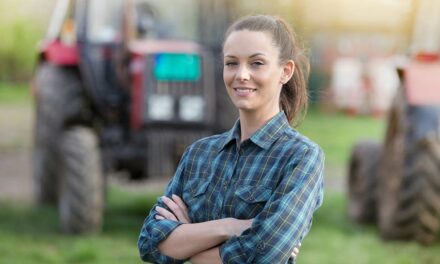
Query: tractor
(397, 183)
(115, 90)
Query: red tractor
(397, 183)
(115, 90)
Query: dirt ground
(16, 182)
(15, 154)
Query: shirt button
(260, 246)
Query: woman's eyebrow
(253, 55)
(257, 54)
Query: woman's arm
(203, 247)
(189, 239)
(210, 256)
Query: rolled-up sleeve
(155, 231)
(287, 216)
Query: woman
(247, 195)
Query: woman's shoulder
(300, 142)
(209, 143)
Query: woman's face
(252, 73)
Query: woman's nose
(242, 74)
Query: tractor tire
(362, 182)
(409, 174)
(427, 172)
(58, 100)
(82, 188)
(416, 213)
(391, 170)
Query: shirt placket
(228, 184)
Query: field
(30, 234)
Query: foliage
(18, 49)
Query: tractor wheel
(58, 101)
(409, 174)
(427, 172)
(81, 193)
(362, 181)
(391, 170)
(416, 213)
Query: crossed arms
(168, 236)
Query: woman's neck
(251, 121)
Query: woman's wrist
(234, 227)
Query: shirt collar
(232, 134)
(265, 136)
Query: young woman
(248, 195)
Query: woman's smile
(244, 91)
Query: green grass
(30, 235)
(15, 94)
(335, 239)
(336, 133)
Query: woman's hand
(296, 251)
(179, 210)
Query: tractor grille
(172, 87)
(172, 91)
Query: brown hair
(294, 96)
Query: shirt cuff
(156, 233)
(161, 230)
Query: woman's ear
(288, 70)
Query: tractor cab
(117, 88)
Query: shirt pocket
(196, 198)
(250, 200)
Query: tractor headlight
(160, 107)
(191, 108)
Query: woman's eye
(257, 63)
(230, 63)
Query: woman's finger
(159, 217)
(175, 209)
(182, 205)
(179, 202)
(295, 252)
(165, 213)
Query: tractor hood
(141, 47)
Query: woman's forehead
(248, 43)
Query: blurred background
(127, 122)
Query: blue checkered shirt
(275, 177)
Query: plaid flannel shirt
(275, 177)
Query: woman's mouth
(244, 91)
